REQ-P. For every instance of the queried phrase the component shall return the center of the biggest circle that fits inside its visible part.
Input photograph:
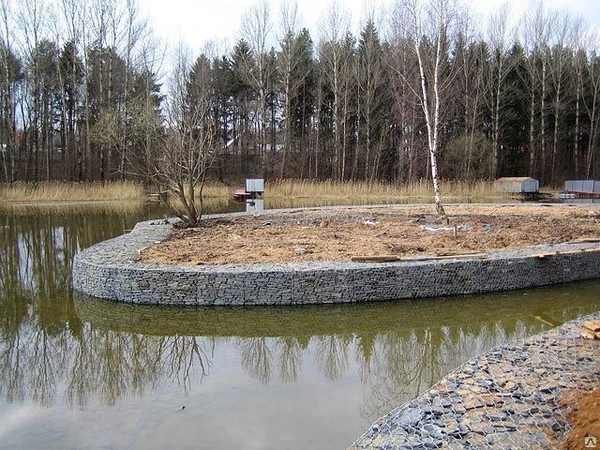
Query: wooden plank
(587, 334)
(457, 256)
(543, 255)
(379, 259)
(593, 325)
(590, 240)
(565, 252)
(393, 258)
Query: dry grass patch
(420, 191)
(341, 233)
(21, 192)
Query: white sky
(198, 21)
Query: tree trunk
(577, 125)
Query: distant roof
(513, 179)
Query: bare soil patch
(584, 419)
(341, 233)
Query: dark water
(77, 372)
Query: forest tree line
(84, 96)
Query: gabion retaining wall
(111, 270)
(512, 397)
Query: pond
(78, 372)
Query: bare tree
(257, 69)
(469, 62)
(580, 66)
(179, 158)
(32, 20)
(564, 32)
(499, 35)
(11, 68)
(591, 106)
(407, 113)
(371, 131)
(536, 27)
(293, 71)
(336, 73)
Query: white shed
(255, 186)
(517, 185)
(591, 187)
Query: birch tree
(293, 70)
(580, 65)
(428, 25)
(470, 65)
(32, 19)
(592, 105)
(12, 74)
(536, 27)
(564, 32)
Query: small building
(517, 185)
(583, 188)
(254, 188)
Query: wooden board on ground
(393, 258)
(592, 325)
(379, 259)
(565, 252)
(543, 255)
(587, 334)
(589, 240)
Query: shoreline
(112, 270)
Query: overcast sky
(198, 21)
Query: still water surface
(78, 372)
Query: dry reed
(64, 208)
(49, 192)
(420, 191)
(214, 190)
(326, 192)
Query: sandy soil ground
(584, 420)
(342, 233)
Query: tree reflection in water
(290, 351)
(331, 355)
(56, 346)
(256, 358)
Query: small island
(344, 255)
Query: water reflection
(400, 348)
(63, 350)
(38, 323)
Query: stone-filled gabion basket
(509, 398)
(111, 270)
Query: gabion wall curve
(111, 270)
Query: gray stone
(111, 270)
(517, 418)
